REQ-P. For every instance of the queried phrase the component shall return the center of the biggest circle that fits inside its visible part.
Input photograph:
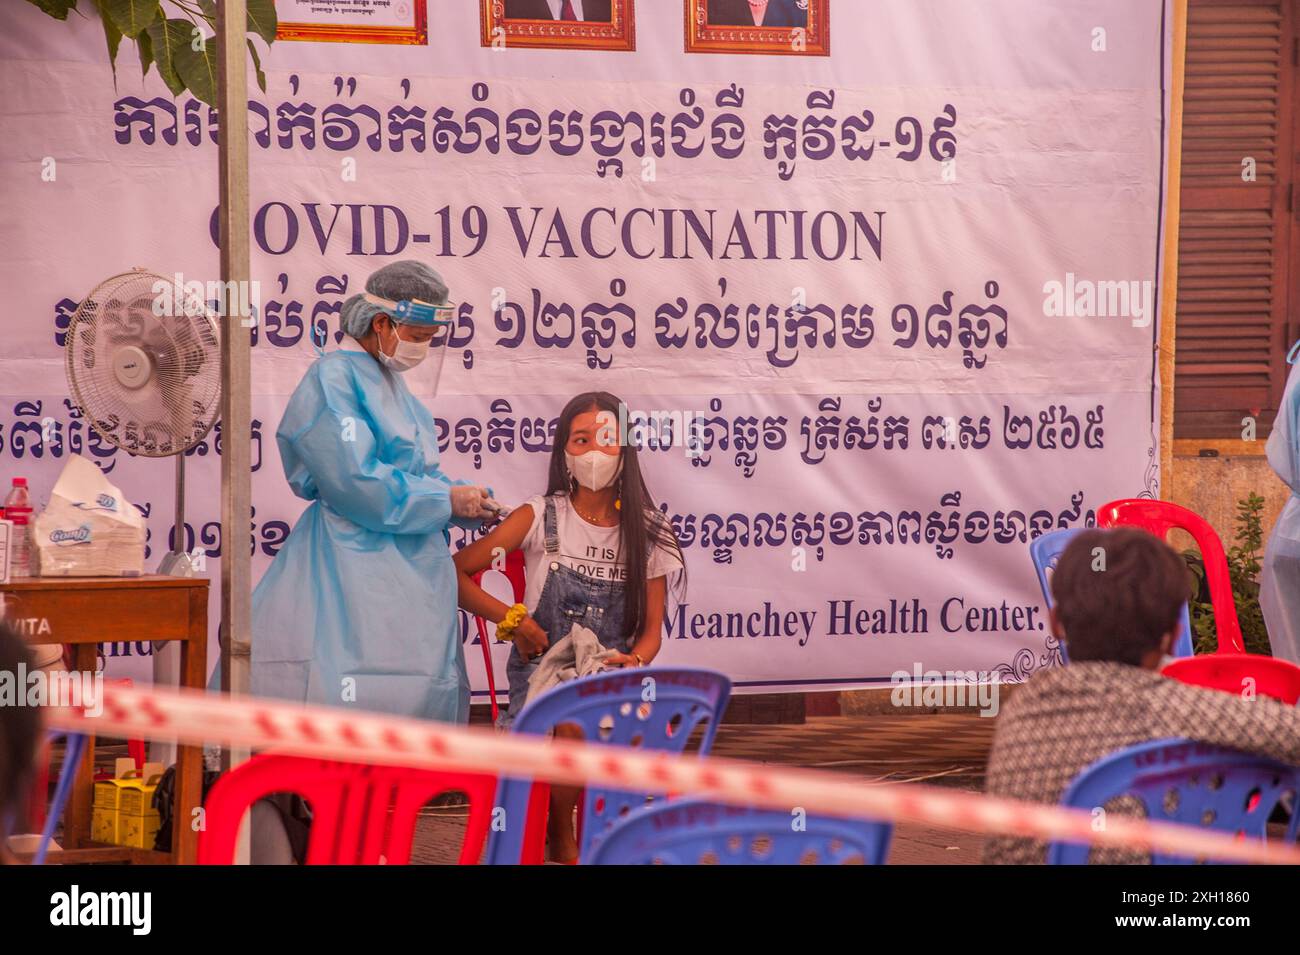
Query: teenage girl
(597, 552)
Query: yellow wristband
(513, 618)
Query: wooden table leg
(189, 759)
(76, 820)
(189, 782)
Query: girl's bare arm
(479, 556)
(647, 643)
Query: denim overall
(567, 598)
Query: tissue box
(88, 529)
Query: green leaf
(144, 46)
(262, 19)
(132, 17)
(257, 65)
(55, 8)
(166, 36)
(198, 68)
(112, 36)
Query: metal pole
(178, 544)
(236, 396)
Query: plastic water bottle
(18, 508)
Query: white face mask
(594, 470)
(406, 355)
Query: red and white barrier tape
(335, 733)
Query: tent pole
(236, 392)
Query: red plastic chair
(361, 814)
(514, 572)
(1229, 672)
(1159, 518)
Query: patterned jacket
(1066, 718)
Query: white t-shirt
(588, 549)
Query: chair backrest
(1240, 673)
(514, 573)
(1046, 550)
(699, 832)
(361, 814)
(654, 708)
(1182, 781)
(1159, 518)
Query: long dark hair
(641, 525)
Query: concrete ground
(947, 749)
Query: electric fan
(144, 366)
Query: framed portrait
(356, 21)
(560, 24)
(776, 27)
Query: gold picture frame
(705, 37)
(417, 34)
(617, 34)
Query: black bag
(164, 800)
(294, 812)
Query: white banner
(906, 288)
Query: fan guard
(143, 364)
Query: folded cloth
(577, 655)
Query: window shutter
(1234, 235)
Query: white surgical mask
(406, 355)
(594, 470)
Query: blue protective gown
(1279, 579)
(359, 606)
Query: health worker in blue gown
(359, 606)
(1279, 579)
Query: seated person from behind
(1118, 596)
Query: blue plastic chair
(1046, 550)
(76, 745)
(1183, 781)
(699, 832)
(654, 708)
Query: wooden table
(86, 611)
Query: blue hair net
(407, 279)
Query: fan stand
(178, 563)
(167, 655)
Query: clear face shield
(421, 348)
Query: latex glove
(467, 502)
